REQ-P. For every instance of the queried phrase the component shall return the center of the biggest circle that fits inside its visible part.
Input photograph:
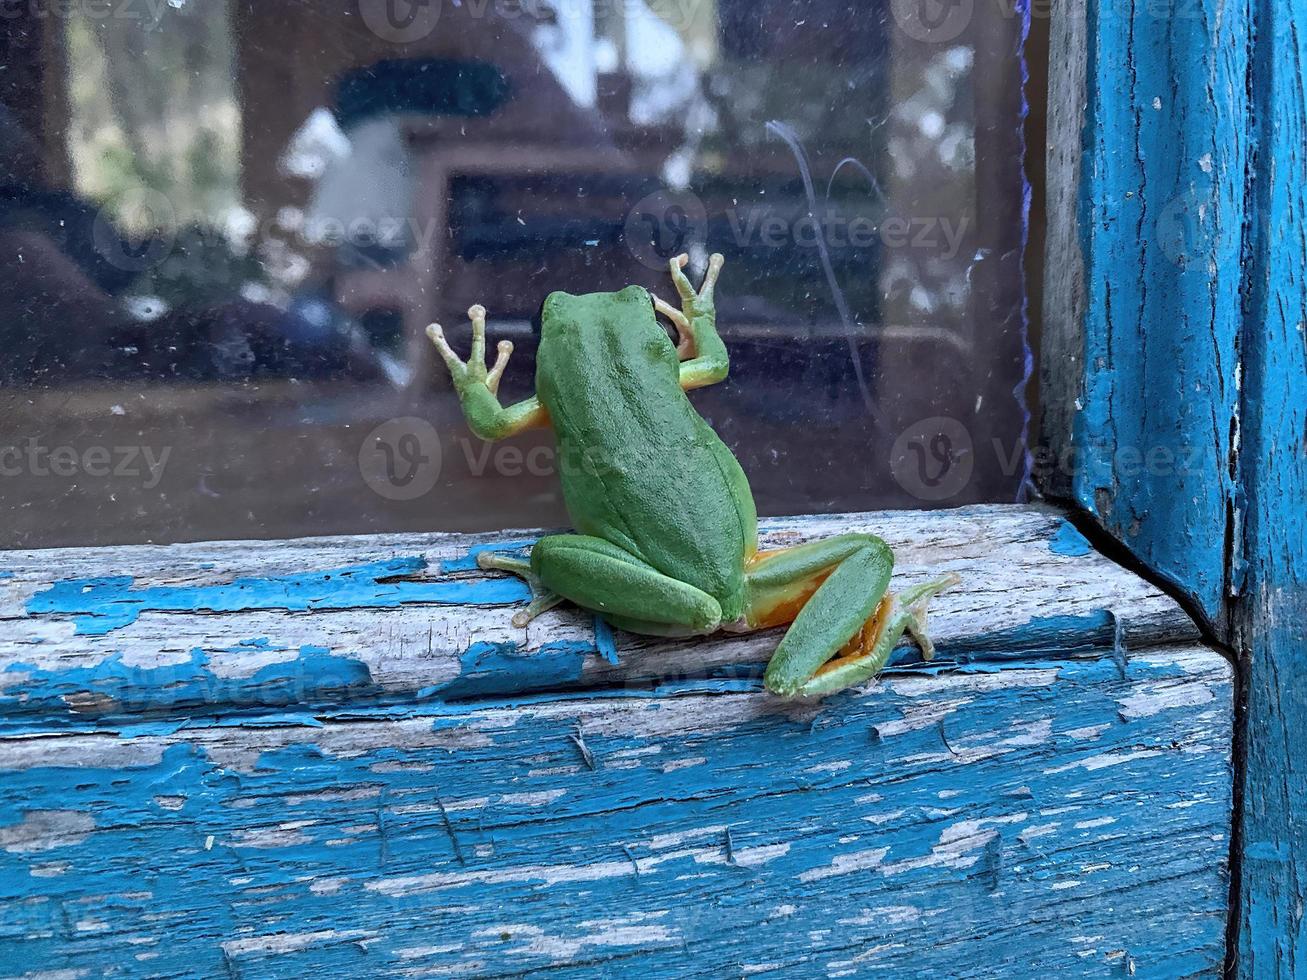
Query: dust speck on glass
(225, 224)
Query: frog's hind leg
(866, 654)
(542, 599)
(602, 577)
(844, 622)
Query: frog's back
(639, 466)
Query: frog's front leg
(844, 622)
(604, 578)
(478, 389)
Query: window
(225, 225)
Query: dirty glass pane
(225, 224)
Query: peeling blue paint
(178, 856)
(114, 689)
(1069, 542)
(468, 562)
(101, 605)
(111, 692)
(604, 641)
(1043, 633)
(502, 668)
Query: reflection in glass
(225, 225)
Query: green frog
(666, 540)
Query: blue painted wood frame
(1175, 373)
(1271, 610)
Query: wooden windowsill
(334, 755)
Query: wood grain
(1061, 816)
(1149, 152)
(336, 757)
(203, 628)
(1271, 570)
(1177, 158)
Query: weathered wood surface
(1068, 817)
(236, 759)
(1271, 613)
(1175, 318)
(128, 631)
(1149, 144)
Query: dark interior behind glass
(225, 224)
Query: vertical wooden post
(1148, 161)
(1270, 574)
(1175, 367)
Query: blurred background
(225, 224)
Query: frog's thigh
(602, 577)
(779, 583)
(830, 589)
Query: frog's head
(623, 310)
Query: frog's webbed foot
(693, 304)
(474, 368)
(689, 298)
(542, 599)
(868, 651)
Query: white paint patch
(839, 765)
(661, 841)
(1032, 734)
(327, 886)
(422, 952)
(843, 864)
(959, 845)
(754, 857)
(1104, 761)
(540, 798)
(51, 870)
(545, 874)
(889, 915)
(1096, 822)
(1155, 700)
(1087, 732)
(686, 763)
(290, 942)
(1039, 830)
(270, 837)
(45, 830)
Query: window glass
(226, 224)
